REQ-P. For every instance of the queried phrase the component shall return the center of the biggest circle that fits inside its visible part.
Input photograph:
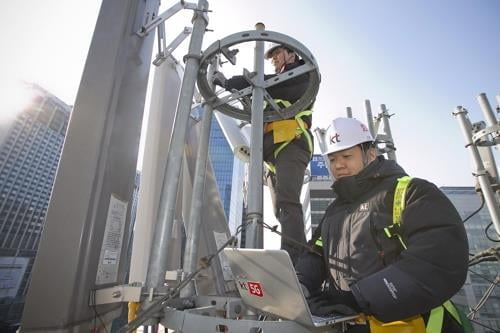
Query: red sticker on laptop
(255, 289)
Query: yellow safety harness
(285, 131)
(414, 324)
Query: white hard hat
(271, 48)
(345, 133)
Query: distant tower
(30, 149)
(466, 201)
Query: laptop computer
(266, 281)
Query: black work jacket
(387, 281)
(290, 90)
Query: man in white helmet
(288, 154)
(389, 246)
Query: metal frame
(369, 117)
(190, 321)
(157, 262)
(158, 20)
(255, 232)
(479, 171)
(154, 294)
(93, 175)
(123, 293)
(223, 45)
(165, 51)
(385, 138)
(193, 230)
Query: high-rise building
(483, 275)
(222, 158)
(229, 173)
(29, 154)
(321, 194)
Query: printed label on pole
(107, 271)
(255, 289)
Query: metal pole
(193, 233)
(157, 261)
(254, 235)
(369, 117)
(349, 112)
(387, 129)
(489, 115)
(480, 172)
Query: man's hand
(219, 79)
(333, 302)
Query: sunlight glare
(18, 96)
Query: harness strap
(436, 317)
(301, 129)
(397, 209)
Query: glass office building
(482, 275)
(30, 149)
(229, 173)
(222, 159)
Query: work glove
(219, 79)
(333, 302)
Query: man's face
(280, 57)
(349, 162)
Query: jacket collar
(352, 187)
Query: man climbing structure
(287, 145)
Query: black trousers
(286, 185)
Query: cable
(491, 254)
(476, 211)
(100, 319)
(205, 262)
(483, 299)
(488, 236)
(96, 314)
(274, 229)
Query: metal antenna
(389, 141)
(369, 117)
(479, 171)
(157, 262)
(193, 230)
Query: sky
(420, 58)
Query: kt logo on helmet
(335, 139)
